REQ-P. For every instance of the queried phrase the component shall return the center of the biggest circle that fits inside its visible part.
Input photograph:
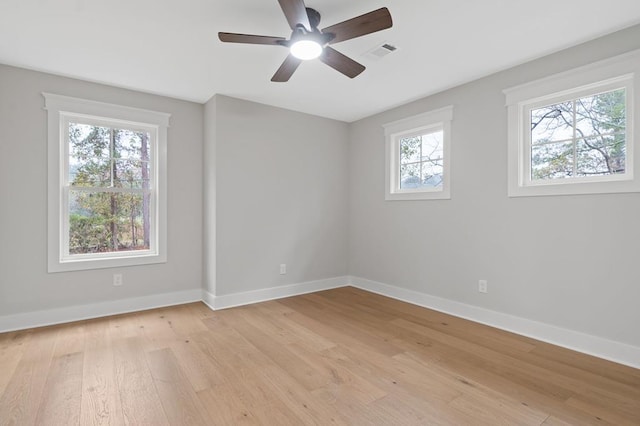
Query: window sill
(418, 195)
(110, 262)
(574, 188)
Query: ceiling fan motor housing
(314, 18)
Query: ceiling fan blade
(296, 13)
(251, 39)
(340, 62)
(364, 24)
(286, 70)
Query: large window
(573, 133)
(418, 159)
(107, 199)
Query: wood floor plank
(226, 406)
(12, 347)
(476, 398)
(268, 381)
(21, 399)
(340, 400)
(341, 379)
(482, 334)
(342, 356)
(540, 378)
(614, 409)
(71, 338)
(554, 421)
(620, 374)
(62, 393)
(242, 365)
(413, 411)
(183, 322)
(123, 326)
(394, 376)
(100, 404)
(350, 330)
(180, 401)
(202, 371)
(278, 351)
(300, 401)
(156, 329)
(272, 322)
(136, 389)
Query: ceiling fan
(308, 42)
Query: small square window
(418, 160)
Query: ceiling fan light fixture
(306, 49)
(308, 42)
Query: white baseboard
(592, 345)
(262, 295)
(597, 346)
(95, 310)
(209, 299)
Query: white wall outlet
(117, 279)
(283, 268)
(482, 286)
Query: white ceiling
(170, 47)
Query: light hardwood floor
(343, 356)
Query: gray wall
(281, 195)
(25, 284)
(570, 261)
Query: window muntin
(578, 138)
(418, 159)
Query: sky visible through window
(422, 160)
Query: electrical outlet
(283, 268)
(482, 286)
(117, 280)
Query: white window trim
(613, 73)
(394, 131)
(59, 110)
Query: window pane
(552, 123)
(105, 157)
(131, 173)
(432, 174)
(130, 144)
(91, 173)
(599, 156)
(410, 149)
(89, 153)
(552, 161)
(599, 134)
(604, 113)
(432, 145)
(107, 222)
(410, 176)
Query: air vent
(381, 51)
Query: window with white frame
(572, 133)
(107, 184)
(418, 159)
